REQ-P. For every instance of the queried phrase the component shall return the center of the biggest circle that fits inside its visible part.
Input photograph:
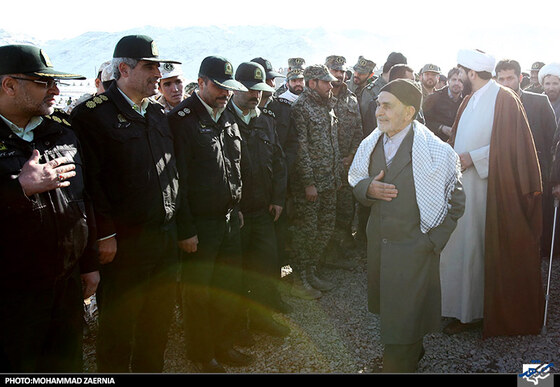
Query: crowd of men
(152, 193)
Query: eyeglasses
(47, 84)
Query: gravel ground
(336, 334)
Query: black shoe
(233, 357)
(212, 367)
(269, 326)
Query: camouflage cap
(364, 66)
(537, 66)
(318, 71)
(430, 68)
(296, 63)
(294, 74)
(336, 62)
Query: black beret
(406, 91)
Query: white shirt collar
(479, 93)
(214, 114)
(138, 109)
(27, 132)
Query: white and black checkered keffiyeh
(435, 166)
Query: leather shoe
(233, 357)
(212, 367)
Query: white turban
(549, 69)
(476, 60)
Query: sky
(504, 28)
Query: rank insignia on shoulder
(91, 104)
(269, 112)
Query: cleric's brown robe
(513, 290)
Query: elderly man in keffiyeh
(411, 181)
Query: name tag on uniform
(205, 130)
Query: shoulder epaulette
(268, 112)
(183, 112)
(59, 116)
(284, 100)
(96, 101)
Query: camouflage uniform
(293, 64)
(363, 93)
(317, 163)
(350, 132)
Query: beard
(467, 87)
(297, 90)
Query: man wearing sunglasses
(46, 231)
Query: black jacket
(131, 173)
(280, 109)
(263, 166)
(440, 109)
(209, 163)
(43, 237)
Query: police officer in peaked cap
(264, 173)
(208, 149)
(47, 234)
(133, 180)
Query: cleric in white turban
(549, 69)
(476, 60)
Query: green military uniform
(363, 92)
(317, 164)
(347, 111)
(293, 64)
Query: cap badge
(154, 49)
(168, 67)
(46, 59)
(258, 74)
(228, 69)
(362, 62)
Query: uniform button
(384, 240)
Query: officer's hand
(89, 283)
(382, 191)
(36, 178)
(311, 193)
(275, 211)
(189, 245)
(107, 250)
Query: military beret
(364, 66)
(318, 71)
(30, 60)
(336, 62)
